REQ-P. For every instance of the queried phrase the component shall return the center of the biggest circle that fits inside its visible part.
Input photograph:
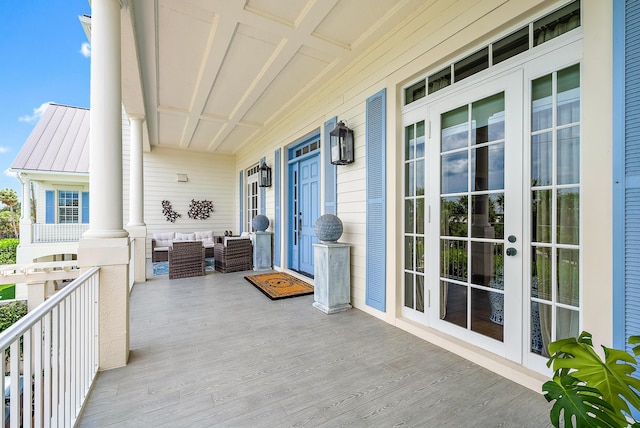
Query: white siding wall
(435, 36)
(211, 178)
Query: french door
(475, 145)
(492, 211)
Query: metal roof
(58, 143)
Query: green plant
(9, 197)
(10, 313)
(8, 249)
(588, 391)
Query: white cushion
(185, 236)
(201, 236)
(164, 239)
(208, 242)
(161, 249)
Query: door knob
(511, 251)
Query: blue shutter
(85, 207)
(263, 194)
(626, 171)
(50, 206)
(330, 172)
(241, 194)
(277, 210)
(376, 231)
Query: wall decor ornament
(200, 210)
(168, 212)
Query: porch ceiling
(210, 75)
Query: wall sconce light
(182, 178)
(341, 143)
(265, 175)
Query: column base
(331, 310)
(112, 255)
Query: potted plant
(588, 391)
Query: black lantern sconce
(341, 142)
(265, 175)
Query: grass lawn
(7, 292)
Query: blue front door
(304, 179)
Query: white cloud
(37, 113)
(85, 50)
(9, 173)
(4, 149)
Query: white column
(105, 136)
(106, 243)
(26, 199)
(136, 175)
(136, 227)
(25, 215)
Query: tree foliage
(9, 198)
(8, 249)
(11, 312)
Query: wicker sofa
(162, 241)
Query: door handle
(511, 251)
(299, 224)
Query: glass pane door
(476, 147)
(472, 141)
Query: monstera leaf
(578, 401)
(578, 366)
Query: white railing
(38, 272)
(71, 232)
(59, 357)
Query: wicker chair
(233, 255)
(186, 259)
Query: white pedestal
(261, 251)
(332, 277)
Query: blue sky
(44, 57)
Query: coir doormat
(278, 285)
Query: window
(555, 206)
(253, 204)
(68, 207)
(414, 216)
(544, 29)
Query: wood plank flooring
(213, 351)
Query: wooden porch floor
(214, 351)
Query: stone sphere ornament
(328, 228)
(260, 222)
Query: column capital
(133, 117)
